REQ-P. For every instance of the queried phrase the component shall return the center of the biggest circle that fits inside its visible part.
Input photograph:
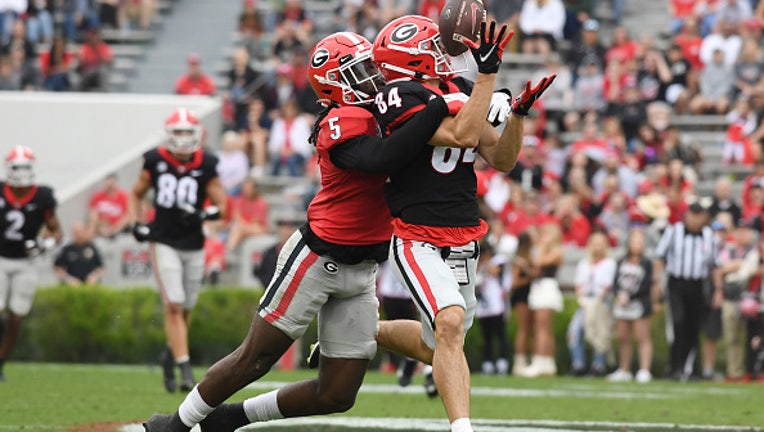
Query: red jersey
(251, 210)
(202, 85)
(683, 8)
(576, 230)
(91, 56)
(350, 208)
(690, 45)
(111, 208)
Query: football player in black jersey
(433, 200)
(183, 176)
(25, 208)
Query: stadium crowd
(603, 172)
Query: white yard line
(482, 425)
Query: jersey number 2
(15, 220)
(170, 190)
(444, 159)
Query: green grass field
(54, 397)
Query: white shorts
(436, 283)
(18, 282)
(343, 296)
(179, 274)
(545, 294)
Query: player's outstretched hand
(489, 52)
(141, 232)
(524, 102)
(501, 106)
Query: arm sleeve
(374, 154)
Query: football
(460, 19)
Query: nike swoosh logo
(488, 54)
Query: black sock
(227, 416)
(177, 425)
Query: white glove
(501, 106)
(456, 97)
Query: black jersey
(177, 184)
(438, 187)
(22, 218)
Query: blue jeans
(40, 28)
(577, 346)
(295, 164)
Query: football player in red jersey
(328, 267)
(25, 208)
(183, 176)
(433, 200)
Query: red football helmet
(341, 69)
(410, 47)
(19, 166)
(185, 131)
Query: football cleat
(429, 385)
(314, 356)
(168, 368)
(186, 377)
(165, 423)
(227, 417)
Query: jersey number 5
(171, 190)
(444, 159)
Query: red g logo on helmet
(404, 32)
(320, 57)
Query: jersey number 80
(172, 190)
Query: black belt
(346, 254)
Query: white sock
(461, 425)
(182, 359)
(426, 370)
(263, 407)
(193, 409)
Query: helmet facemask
(20, 173)
(358, 78)
(184, 139)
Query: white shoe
(540, 366)
(488, 368)
(502, 366)
(620, 375)
(519, 365)
(644, 376)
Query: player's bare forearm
(53, 226)
(465, 129)
(502, 152)
(217, 195)
(141, 186)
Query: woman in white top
(288, 143)
(541, 22)
(592, 321)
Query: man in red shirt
(195, 82)
(108, 209)
(95, 57)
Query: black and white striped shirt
(688, 255)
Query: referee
(688, 251)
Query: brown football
(460, 19)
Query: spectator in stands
(725, 40)
(10, 12)
(723, 202)
(685, 282)
(257, 133)
(294, 12)
(95, 59)
(18, 40)
(627, 178)
(623, 49)
(10, 77)
(529, 170)
(110, 13)
(107, 213)
(140, 11)
(40, 21)
(55, 65)
(576, 13)
(214, 254)
(523, 274)
(716, 81)
(79, 15)
(241, 86)
(593, 320)
(233, 164)
(615, 219)
(589, 50)
(676, 92)
(195, 82)
(680, 11)
(738, 261)
(252, 34)
(575, 227)
(676, 146)
(249, 215)
(653, 76)
(544, 299)
(79, 261)
(558, 98)
(541, 22)
(363, 17)
(588, 94)
(288, 143)
(491, 313)
(749, 69)
(288, 38)
(632, 308)
(737, 12)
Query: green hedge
(99, 324)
